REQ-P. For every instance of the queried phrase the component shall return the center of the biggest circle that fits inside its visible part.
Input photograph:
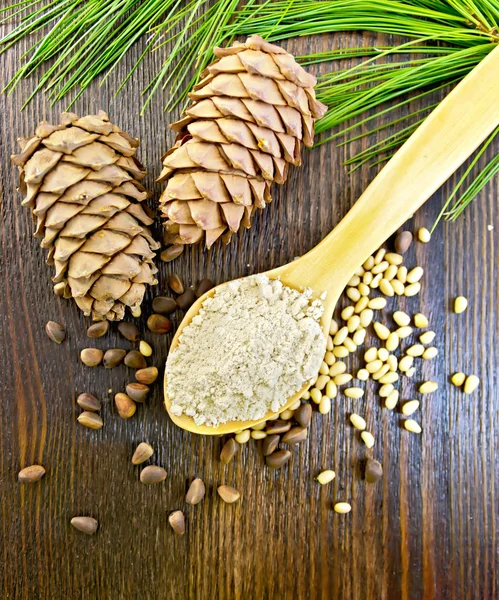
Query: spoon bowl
(460, 123)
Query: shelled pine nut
(354, 392)
(340, 352)
(386, 288)
(370, 354)
(390, 273)
(378, 257)
(377, 303)
(412, 289)
(460, 304)
(321, 382)
(363, 374)
(428, 387)
(392, 341)
(342, 378)
(398, 287)
(430, 353)
(405, 363)
(404, 332)
(401, 318)
(393, 258)
(381, 372)
(359, 337)
(390, 377)
(402, 274)
(340, 336)
(381, 330)
(357, 421)
(325, 405)
(410, 407)
(369, 263)
(412, 426)
(424, 235)
(333, 327)
(331, 389)
(347, 312)
(367, 278)
(353, 293)
(471, 383)
(414, 275)
(392, 399)
(427, 337)
(338, 368)
(458, 379)
(420, 321)
(366, 317)
(386, 389)
(380, 267)
(361, 304)
(367, 438)
(383, 354)
(350, 345)
(374, 366)
(415, 350)
(375, 282)
(354, 281)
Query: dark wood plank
(429, 530)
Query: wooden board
(428, 530)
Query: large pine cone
(81, 181)
(248, 118)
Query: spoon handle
(427, 159)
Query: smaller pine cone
(248, 118)
(81, 181)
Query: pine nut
(359, 337)
(331, 389)
(377, 303)
(401, 318)
(369, 263)
(329, 358)
(393, 258)
(361, 304)
(347, 312)
(410, 407)
(390, 273)
(258, 435)
(321, 382)
(460, 304)
(392, 362)
(412, 289)
(367, 438)
(357, 421)
(316, 395)
(410, 372)
(338, 368)
(402, 274)
(243, 437)
(428, 387)
(424, 235)
(386, 389)
(383, 354)
(362, 374)
(340, 352)
(412, 426)
(415, 275)
(342, 378)
(326, 477)
(375, 282)
(286, 415)
(342, 508)
(404, 332)
(329, 343)
(339, 337)
(367, 278)
(405, 363)
(353, 322)
(364, 289)
(374, 366)
(325, 405)
(333, 327)
(378, 257)
(145, 349)
(353, 293)
(324, 368)
(366, 317)
(471, 384)
(261, 426)
(380, 267)
(354, 392)
(427, 337)
(370, 354)
(398, 287)
(392, 399)
(458, 379)
(383, 371)
(381, 330)
(350, 345)
(415, 350)
(392, 342)
(386, 288)
(430, 353)
(390, 377)
(354, 281)
(420, 321)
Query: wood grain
(428, 530)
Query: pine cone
(247, 120)
(81, 181)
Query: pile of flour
(252, 346)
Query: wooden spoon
(429, 157)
